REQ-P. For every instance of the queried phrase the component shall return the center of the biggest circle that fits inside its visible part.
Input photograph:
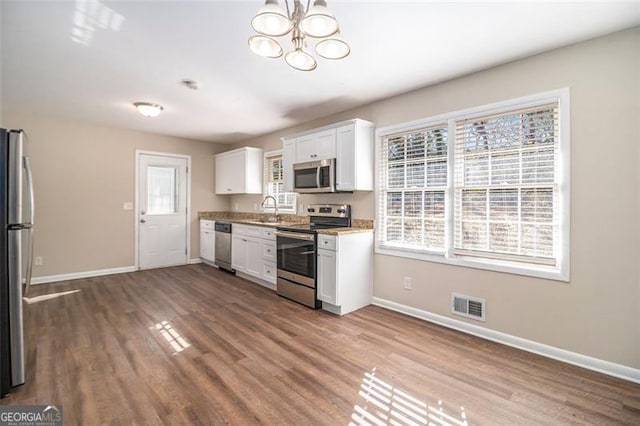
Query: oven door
(296, 254)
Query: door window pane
(162, 190)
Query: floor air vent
(466, 306)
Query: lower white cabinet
(253, 252)
(207, 241)
(345, 271)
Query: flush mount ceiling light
(148, 109)
(313, 22)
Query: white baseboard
(595, 364)
(78, 275)
(194, 261)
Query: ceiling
(89, 60)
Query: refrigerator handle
(27, 286)
(27, 168)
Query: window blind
(506, 185)
(412, 184)
(274, 184)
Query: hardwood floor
(194, 345)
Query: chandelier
(316, 22)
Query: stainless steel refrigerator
(16, 248)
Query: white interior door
(162, 210)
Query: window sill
(530, 270)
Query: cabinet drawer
(269, 272)
(327, 242)
(254, 231)
(269, 250)
(240, 229)
(269, 234)
(207, 224)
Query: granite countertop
(342, 231)
(262, 219)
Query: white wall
(82, 176)
(598, 312)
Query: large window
(274, 184)
(486, 187)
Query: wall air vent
(470, 307)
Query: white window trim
(560, 272)
(269, 207)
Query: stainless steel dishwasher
(223, 245)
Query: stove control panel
(330, 210)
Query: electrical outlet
(127, 206)
(38, 260)
(407, 283)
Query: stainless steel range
(297, 250)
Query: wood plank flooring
(194, 345)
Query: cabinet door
(288, 158)
(239, 252)
(346, 165)
(207, 244)
(325, 144)
(327, 278)
(305, 149)
(230, 173)
(316, 146)
(254, 256)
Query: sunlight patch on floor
(177, 342)
(36, 299)
(385, 404)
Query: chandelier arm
(286, 2)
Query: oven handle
(295, 235)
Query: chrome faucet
(276, 216)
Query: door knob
(143, 220)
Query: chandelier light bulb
(333, 48)
(272, 20)
(265, 46)
(300, 60)
(318, 21)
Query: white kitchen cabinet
(316, 146)
(345, 271)
(239, 171)
(354, 160)
(288, 158)
(253, 253)
(349, 142)
(327, 277)
(207, 241)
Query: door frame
(140, 152)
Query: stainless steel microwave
(315, 176)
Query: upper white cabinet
(239, 171)
(354, 160)
(349, 142)
(316, 146)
